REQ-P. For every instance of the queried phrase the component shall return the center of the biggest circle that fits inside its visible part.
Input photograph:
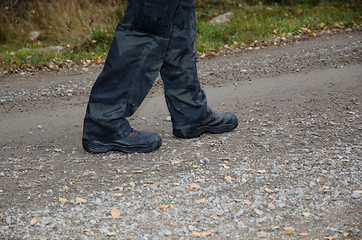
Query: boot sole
(99, 147)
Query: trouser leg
(185, 99)
(154, 35)
(134, 60)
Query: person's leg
(134, 60)
(186, 100)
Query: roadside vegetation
(51, 34)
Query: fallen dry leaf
(118, 194)
(303, 234)
(358, 191)
(172, 205)
(288, 228)
(163, 207)
(261, 234)
(138, 171)
(174, 162)
(289, 232)
(244, 180)
(229, 178)
(201, 234)
(148, 183)
(248, 202)
(63, 200)
(215, 218)
(79, 200)
(111, 234)
(65, 187)
(1, 191)
(33, 221)
(132, 184)
(247, 170)
(193, 186)
(87, 230)
(306, 214)
(1, 215)
(261, 171)
(195, 166)
(258, 211)
(268, 190)
(115, 213)
(202, 200)
(225, 166)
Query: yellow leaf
(158, 198)
(193, 186)
(229, 178)
(172, 205)
(118, 188)
(268, 190)
(174, 162)
(163, 207)
(115, 213)
(195, 166)
(63, 200)
(79, 200)
(132, 184)
(118, 194)
(202, 200)
(326, 187)
(111, 234)
(215, 218)
(225, 166)
(33, 221)
(303, 234)
(201, 234)
(306, 214)
(248, 202)
(1, 215)
(138, 171)
(65, 187)
(261, 171)
(244, 180)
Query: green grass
(262, 23)
(250, 24)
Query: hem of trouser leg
(194, 124)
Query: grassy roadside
(250, 25)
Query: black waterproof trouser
(154, 36)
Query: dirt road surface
(291, 170)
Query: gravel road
(291, 170)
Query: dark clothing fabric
(154, 36)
